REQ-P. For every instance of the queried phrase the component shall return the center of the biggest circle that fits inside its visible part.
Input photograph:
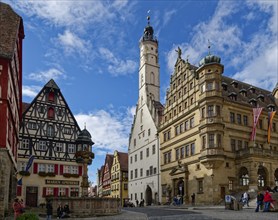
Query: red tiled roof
(11, 26)
(25, 106)
(123, 160)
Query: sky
(91, 49)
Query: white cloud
(44, 76)
(72, 43)
(109, 129)
(167, 16)
(116, 66)
(30, 91)
(250, 56)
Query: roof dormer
(243, 92)
(260, 97)
(232, 96)
(224, 86)
(234, 84)
(252, 89)
(253, 102)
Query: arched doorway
(243, 177)
(262, 176)
(149, 198)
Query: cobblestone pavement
(183, 212)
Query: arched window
(50, 131)
(243, 176)
(261, 176)
(50, 112)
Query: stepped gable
(13, 26)
(245, 93)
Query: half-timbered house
(46, 155)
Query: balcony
(211, 120)
(212, 158)
(211, 93)
(254, 151)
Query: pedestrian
(260, 201)
(49, 210)
(193, 199)
(267, 200)
(60, 211)
(66, 211)
(246, 199)
(17, 208)
(137, 202)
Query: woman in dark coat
(49, 210)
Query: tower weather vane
(148, 17)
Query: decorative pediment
(181, 168)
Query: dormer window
(252, 89)
(233, 96)
(253, 102)
(260, 97)
(243, 92)
(234, 84)
(224, 86)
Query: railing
(256, 151)
(212, 152)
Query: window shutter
(56, 192)
(67, 191)
(18, 190)
(44, 191)
(56, 170)
(35, 168)
(61, 169)
(80, 171)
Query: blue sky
(90, 48)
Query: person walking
(17, 207)
(267, 200)
(260, 201)
(49, 210)
(60, 211)
(193, 199)
(246, 198)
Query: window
(219, 140)
(50, 131)
(203, 112)
(191, 85)
(51, 96)
(274, 127)
(71, 148)
(135, 173)
(232, 117)
(211, 140)
(50, 113)
(210, 110)
(167, 157)
(147, 152)
(191, 122)
(238, 119)
(25, 144)
(153, 149)
(177, 130)
(42, 146)
(135, 158)
(71, 169)
(62, 192)
(177, 153)
(260, 123)
(32, 125)
(182, 152)
(41, 109)
(49, 191)
(131, 174)
(50, 168)
(200, 186)
(149, 132)
(230, 185)
(59, 147)
(151, 170)
(141, 155)
(125, 186)
(67, 130)
(141, 172)
(187, 150)
(209, 86)
(218, 111)
(130, 160)
(60, 112)
(204, 142)
(233, 145)
(239, 144)
(147, 172)
(41, 167)
(186, 125)
(192, 148)
(134, 142)
(245, 120)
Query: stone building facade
(205, 134)
(11, 41)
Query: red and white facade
(11, 38)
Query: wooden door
(31, 196)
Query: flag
(19, 182)
(270, 118)
(256, 115)
(30, 161)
